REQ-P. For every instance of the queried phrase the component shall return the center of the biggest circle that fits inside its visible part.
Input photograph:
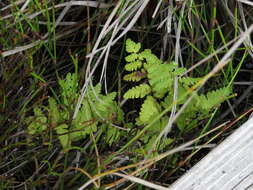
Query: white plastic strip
(229, 166)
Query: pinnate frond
(213, 98)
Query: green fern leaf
(138, 91)
(112, 134)
(37, 123)
(213, 98)
(83, 124)
(133, 66)
(93, 93)
(178, 71)
(160, 77)
(165, 143)
(107, 107)
(54, 113)
(134, 76)
(69, 88)
(187, 120)
(149, 57)
(132, 47)
(62, 132)
(132, 57)
(149, 110)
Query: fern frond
(187, 120)
(84, 123)
(94, 93)
(37, 123)
(149, 110)
(69, 88)
(160, 77)
(62, 131)
(54, 113)
(133, 66)
(181, 97)
(149, 57)
(134, 76)
(106, 107)
(138, 91)
(112, 134)
(165, 143)
(214, 98)
(132, 47)
(132, 57)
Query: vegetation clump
(97, 112)
(156, 86)
(80, 102)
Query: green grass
(84, 41)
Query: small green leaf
(134, 76)
(132, 47)
(83, 124)
(37, 123)
(138, 91)
(69, 89)
(112, 134)
(133, 66)
(132, 57)
(54, 114)
(64, 138)
(149, 110)
(149, 57)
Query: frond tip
(132, 47)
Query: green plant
(155, 83)
(97, 112)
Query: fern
(159, 80)
(69, 88)
(138, 91)
(63, 135)
(112, 134)
(149, 110)
(133, 66)
(149, 57)
(83, 124)
(37, 123)
(107, 107)
(132, 47)
(135, 76)
(132, 57)
(213, 98)
(94, 92)
(88, 120)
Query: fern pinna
(156, 85)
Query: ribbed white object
(228, 167)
